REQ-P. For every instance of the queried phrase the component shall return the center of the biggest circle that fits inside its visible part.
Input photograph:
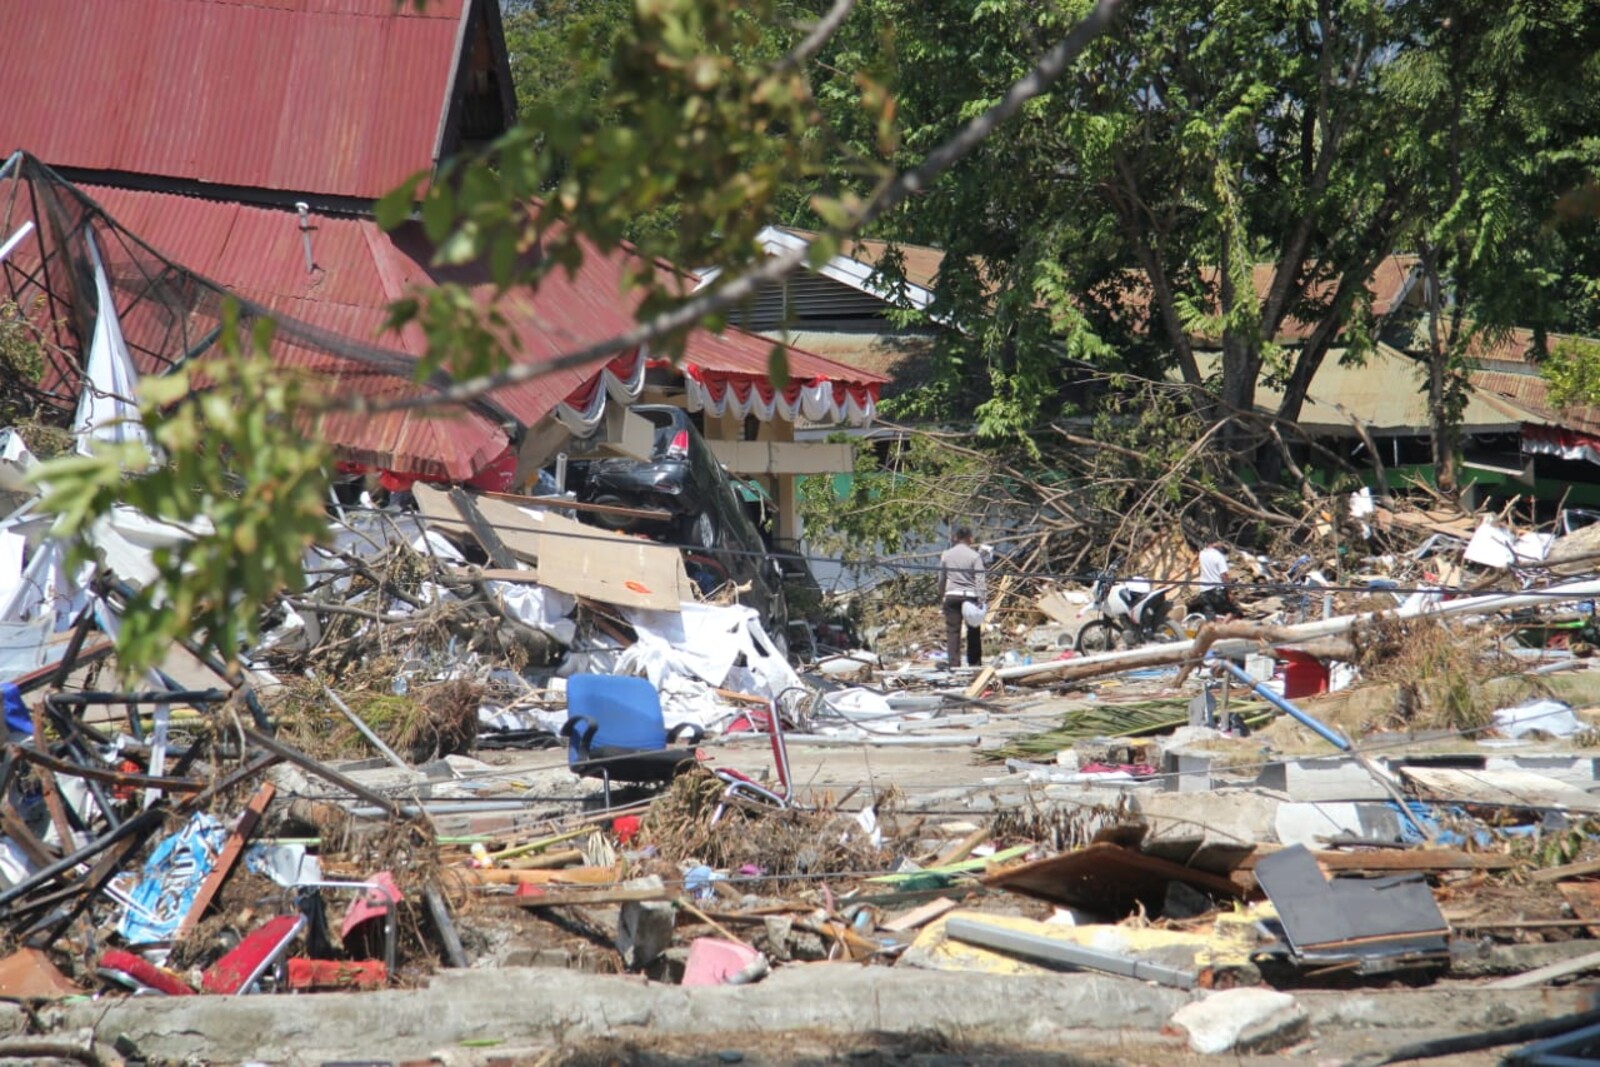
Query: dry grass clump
(429, 722)
(1443, 673)
(780, 842)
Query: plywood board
(611, 568)
(1584, 900)
(437, 509)
(1349, 916)
(1500, 788)
(784, 457)
(573, 558)
(1106, 879)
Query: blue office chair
(615, 732)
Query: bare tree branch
(824, 28)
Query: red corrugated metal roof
(333, 97)
(257, 252)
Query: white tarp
(1552, 718)
(546, 610)
(48, 589)
(22, 647)
(705, 641)
(1492, 545)
(107, 410)
(13, 546)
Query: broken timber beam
(237, 839)
(1566, 870)
(1180, 651)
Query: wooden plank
(587, 561)
(1058, 609)
(1105, 878)
(1500, 788)
(919, 917)
(238, 837)
(589, 899)
(503, 876)
(120, 778)
(1540, 975)
(482, 530)
(438, 511)
(562, 503)
(981, 682)
(1566, 870)
(1398, 860)
(37, 851)
(1584, 900)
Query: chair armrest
(580, 729)
(696, 734)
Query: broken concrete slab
(1234, 821)
(1316, 779)
(1242, 1020)
(1314, 824)
(471, 1005)
(1502, 788)
(644, 928)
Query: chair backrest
(626, 712)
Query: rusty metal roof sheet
(334, 97)
(358, 269)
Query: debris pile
(489, 735)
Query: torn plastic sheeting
(287, 865)
(49, 589)
(546, 610)
(705, 641)
(107, 411)
(172, 877)
(23, 647)
(13, 559)
(1552, 717)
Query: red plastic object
(371, 904)
(144, 972)
(229, 974)
(528, 889)
(713, 961)
(307, 975)
(1303, 675)
(625, 826)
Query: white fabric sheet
(107, 410)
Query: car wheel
(620, 523)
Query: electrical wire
(904, 564)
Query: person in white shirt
(1213, 599)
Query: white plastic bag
(972, 613)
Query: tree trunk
(1442, 420)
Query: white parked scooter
(1132, 613)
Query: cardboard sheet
(571, 557)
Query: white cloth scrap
(546, 610)
(107, 410)
(1551, 717)
(706, 641)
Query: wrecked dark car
(682, 477)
